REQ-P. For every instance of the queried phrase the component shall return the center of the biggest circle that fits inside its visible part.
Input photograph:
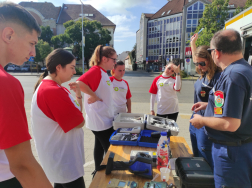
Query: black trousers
(101, 145)
(79, 183)
(11, 183)
(169, 116)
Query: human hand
(176, 68)
(194, 38)
(199, 106)
(196, 121)
(93, 99)
(152, 112)
(76, 88)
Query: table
(179, 148)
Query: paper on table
(172, 163)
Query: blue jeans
(201, 145)
(232, 165)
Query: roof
(148, 15)
(176, 6)
(48, 10)
(73, 11)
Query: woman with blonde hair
(209, 74)
(98, 100)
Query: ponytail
(42, 76)
(101, 51)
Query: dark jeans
(101, 145)
(79, 183)
(169, 116)
(11, 183)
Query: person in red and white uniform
(164, 89)
(57, 122)
(98, 100)
(121, 90)
(19, 33)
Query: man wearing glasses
(228, 114)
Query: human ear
(7, 34)
(58, 67)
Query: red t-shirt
(55, 102)
(13, 121)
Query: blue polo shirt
(202, 88)
(235, 83)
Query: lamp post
(82, 38)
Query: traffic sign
(188, 60)
(167, 59)
(146, 58)
(31, 59)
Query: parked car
(25, 68)
(11, 68)
(35, 67)
(43, 69)
(17, 68)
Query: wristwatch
(178, 73)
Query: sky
(124, 13)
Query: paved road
(139, 83)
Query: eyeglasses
(203, 63)
(112, 59)
(211, 49)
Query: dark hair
(56, 57)
(202, 52)
(117, 63)
(11, 12)
(99, 52)
(227, 41)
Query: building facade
(168, 30)
(47, 14)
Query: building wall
(164, 37)
(139, 47)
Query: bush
(78, 70)
(183, 74)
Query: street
(139, 83)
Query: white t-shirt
(165, 89)
(5, 168)
(250, 60)
(99, 115)
(60, 146)
(121, 92)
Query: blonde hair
(212, 68)
(99, 52)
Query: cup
(165, 173)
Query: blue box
(146, 144)
(125, 143)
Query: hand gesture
(195, 121)
(93, 99)
(176, 68)
(153, 113)
(75, 87)
(199, 106)
(194, 38)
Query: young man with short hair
(18, 36)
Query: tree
(42, 50)
(60, 40)
(213, 20)
(46, 34)
(247, 5)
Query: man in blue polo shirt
(228, 115)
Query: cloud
(121, 19)
(113, 6)
(119, 40)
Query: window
(189, 16)
(149, 41)
(91, 15)
(168, 12)
(195, 6)
(162, 13)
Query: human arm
(86, 89)
(76, 88)
(193, 45)
(221, 124)
(199, 106)
(25, 167)
(152, 103)
(128, 103)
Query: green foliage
(46, 34)
(248, 4)
(60, 40)
(78, 70)
(42, 50)
(132, 55)
(183, 74)
(237, 11)
(213, 20)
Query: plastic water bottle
(162, 151)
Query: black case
(194, 172)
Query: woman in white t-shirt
(164, 89)
(57, 122)
(121, 90)
(98, 101)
